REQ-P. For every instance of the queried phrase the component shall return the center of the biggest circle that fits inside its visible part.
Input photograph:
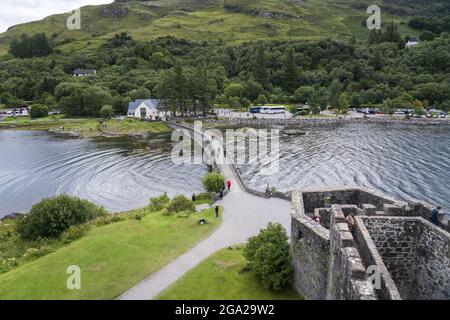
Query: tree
(140, 93)
(252, 90)
(51, 217)
(234, 90)
(76, 99)
(181, 204)
(374, 36)
(38, 111)
(418, 107)
(426, 36)
(391, 33)
(268, 256)
(214, 182)
(291, 72)
(260, 67)
(318, 101)
(334, 93)
(344, 103)
(304, 94)
(107, 112)
(388, 106)
(262, 100)
(28, 47)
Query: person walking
(228, 184)
(217, 211)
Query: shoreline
(85, 128)
(298, 122)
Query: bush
(159, 203)
(38, 111)
(214, 182)
(74, 233)
(180, 204)
(51, 217)
(268, 256)
(107, 112)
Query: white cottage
(144, 109)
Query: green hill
(226, 20)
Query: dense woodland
(194, 76)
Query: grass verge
(112, 258)
(86, 127)
(223, 276)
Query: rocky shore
(299, 122)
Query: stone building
(388, 249)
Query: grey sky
(19, 11)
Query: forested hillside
(191, 72)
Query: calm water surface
(120, 174)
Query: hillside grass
(87, 127)
(112, 258)
(211, 21)
(223, 276)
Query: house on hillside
(84, 72)
(145, 109)
(412, 43)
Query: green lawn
(87, 127)
(112, 258)
(222, 277)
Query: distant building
(145, 109)
(412, 43)
(84, 72)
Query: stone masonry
(391, 252)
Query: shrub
(51, 217)
(159, 203)
(74, 233)
(107, 112)
(38, 111)
(214, 182)
(268, 256)
(180, 204)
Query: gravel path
(243, 216)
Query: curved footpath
(243, 216)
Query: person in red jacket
(228, 185)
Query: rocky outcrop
(114, 10)
(257, 12)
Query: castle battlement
(333, 260)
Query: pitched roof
(150, 103)
(84, 71)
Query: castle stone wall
(415, 252)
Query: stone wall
(347, 273)
(371, 257)
(310, 249)
(330, 260)
(416, 254)
(433, 263)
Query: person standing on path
(435, 215)
(217, 211)
(228, 184)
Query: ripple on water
(34, 165)
(404, 161)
